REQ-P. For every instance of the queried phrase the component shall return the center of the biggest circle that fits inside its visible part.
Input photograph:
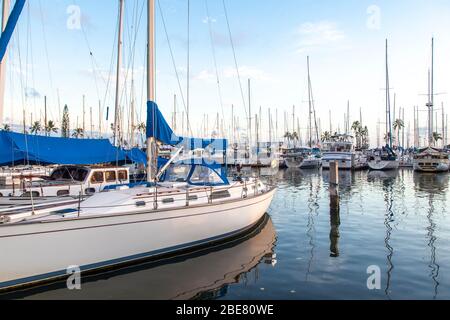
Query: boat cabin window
(205, 175)
(110, 176)
(123, 175)
(97, 177)
(178, 173)
(66, 173)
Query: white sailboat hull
(380, 165)
(35, 252)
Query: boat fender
(4, 219)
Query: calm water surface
(397, 221)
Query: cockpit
(199, 174)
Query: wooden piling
(335, 220)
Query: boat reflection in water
(385, 176)
(430, 184)
(204, 274)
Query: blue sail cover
(17, 148)
(158, 128)
(10, 26)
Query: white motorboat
(431, 160)
(339, 148)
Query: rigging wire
(111, 66)
(235, 60)
(46, 49)
(173, 58)
(33, 90)
(219, 90)
(96, 67)
(91, 54)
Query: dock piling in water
(334, 173)
(335, 220)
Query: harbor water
(395, 222)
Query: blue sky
(345, 41)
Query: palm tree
(78, 133)
(50, 127)
(365, 137)
(36, 127)
(436, 137)
(398, 125)
(6, 128)
(326, 136)
(142, 128)
(288, 136)
(357, 129)
(356, 125)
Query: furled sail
(158, 128)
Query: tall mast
(45, 115)
(331, 125)
(152, 152)
(233, 124)
(276, 125)
(430, 112)
(310, 106)
(388, 101)
(174, 122)
(91, 123)
(249, 114)
(431, 94)
(293, 119)
(100, 118)
(348, 118)
(5, 14)
(119, 62)
(443, 126)
(132, 114)
(84, 114)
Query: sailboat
(305, 157)
(431, 159)
(385, 158)
(181, 207)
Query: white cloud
(246, 72)
(209, 19)
(319, 34)
(205, 75)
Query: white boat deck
(167, 196)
